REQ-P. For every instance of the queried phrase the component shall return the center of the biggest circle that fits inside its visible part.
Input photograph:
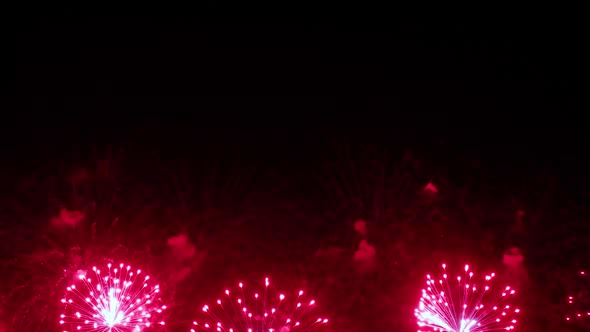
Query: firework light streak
(578, 301)
(465, 304)
(241, 310)
(117, 299)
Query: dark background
(264, 143)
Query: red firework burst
(242, 310)
(578, 300)
(465, 304)
(117, 299)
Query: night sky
(235, 152)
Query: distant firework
(578, 300)
(245, 310)
(117, 299)
(465, 304)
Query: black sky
(443, 78)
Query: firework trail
(241, 310)
(578, 301)
(117, 299)
(465, 304)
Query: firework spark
(241, 310)
(464, 304)
(117, 299)
(578, 301)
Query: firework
(578, 300)
(244, 310)
(117, 299)
(465, 303)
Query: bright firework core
(245, 310)
(465, 303)
(118, 299)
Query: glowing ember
(117, 299)
(241, 310)
(465, 304)
(578, 300)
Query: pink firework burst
(578, 300)
(117, 299)
(465, 303)
(244, 310)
